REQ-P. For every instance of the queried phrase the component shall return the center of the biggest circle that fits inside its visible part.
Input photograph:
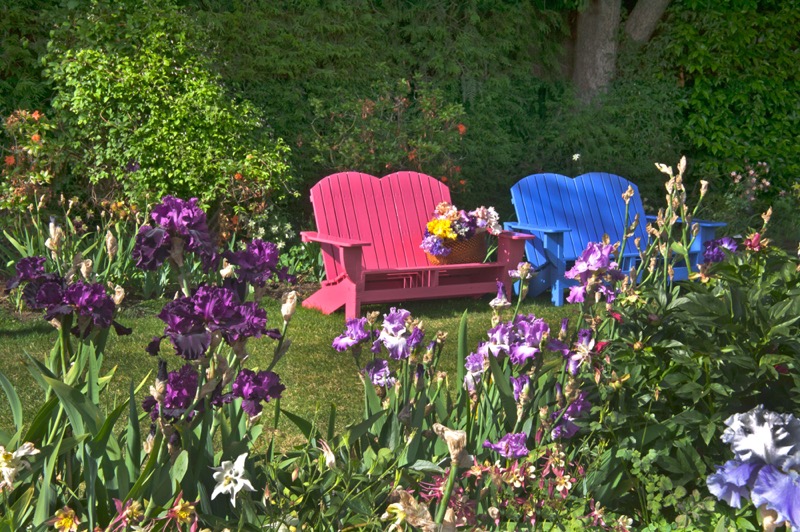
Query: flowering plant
(506, 447)
(450, 224)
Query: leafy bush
(142, 112)
(741, 78)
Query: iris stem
(448, 491)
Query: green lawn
(315, 375)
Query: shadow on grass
(26, 330)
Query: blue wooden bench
(565, 214)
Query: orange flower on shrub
(462, 129)
(237, 176)
(444, 179)
(36, 137)
(36, 115)
(10, 160)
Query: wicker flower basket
(462, 251)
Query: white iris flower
(230, 478)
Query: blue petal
(780, 492)
(732, 481)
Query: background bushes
(183, 97)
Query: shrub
(143, 114)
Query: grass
(315, 375)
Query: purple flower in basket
(433, 245)
(255, 388)
(379, 373)
(354, 334)
(715, 249)
(510, 446)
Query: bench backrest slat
(590, 204)
(390, 213)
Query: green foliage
(738, 62)
(402, 125)
(684, 357)
(23, 38)
(142, 112)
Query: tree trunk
(596, 47)
(644, 19)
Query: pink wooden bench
(370, 230)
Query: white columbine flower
(12, 463)
(230, 478)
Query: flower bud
(119, 295)
(111, 244)
(289, 305)
(227, 269)
(627, 195)
(703, 187)
(86, 269)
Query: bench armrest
(514, 236)
(313, 236)
(516, 226)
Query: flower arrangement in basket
(455, 236)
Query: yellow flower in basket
(442, 228)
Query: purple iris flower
(779, 491)
(354, 334)
(250, 322)
(256, 263)
(565, 429)
(596, 257)
(715, 249)
(732, 481)
(475, 363)
(510, 446)
(520, 384)
(379, 373)
(181, 388)
(394, 323)
(152, 247)
(529, 335)
(28, 269)
(396, 338)
(174, 218)
(415, 338)
(185, 328)
(45, 291)
(192, 320)
(255, 388)
(577, 294)
(91, 302)
(760, 435)
(579, 407)
(500, 338)
(179, 393)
